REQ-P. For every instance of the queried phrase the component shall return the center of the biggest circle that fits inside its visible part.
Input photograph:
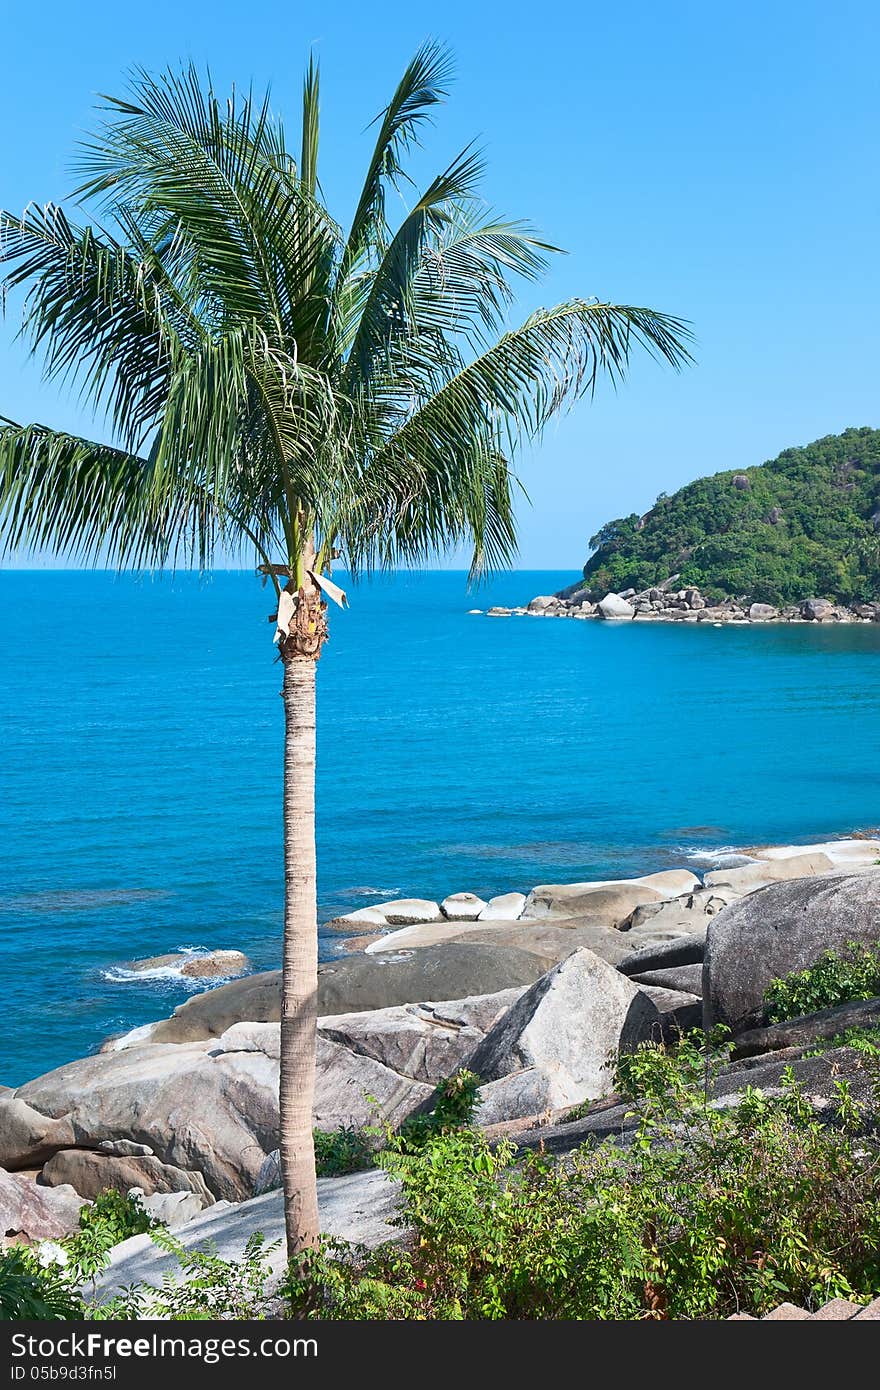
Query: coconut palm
(275, 386)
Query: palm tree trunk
(299, 1009)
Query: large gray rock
(763, 612)
(211, 965)
(27, 1136)
(606, 905)
(354, 983)
(817, 610)
(89, 1173)
(550, 940)
(687, 950)
(781, 928)
(208, 1107)
(688, 978)
(802, 1032)
(173, 1209)
(454, 970)
(747, 878)
(35, 1212)
(425, 1041)
(609, 902)
(613, 606)
(521, 1095)
(679, 1012)
(359, 1207)
(462, 907)
(569, 1026)
(403, 911)
(506, 907)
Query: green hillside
(804, 525)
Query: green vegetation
(835, 978)
(703, 1214)
(805, 526)
(31, 1290)
(707, 1213)
(204, 1286)
(344, 1150)
(864, 1040)
(111, 1218)
(452, 1107)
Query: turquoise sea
(140, 744)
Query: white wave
(370, 892)
(119, 974)
(124, 974)
(724, 856)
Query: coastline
(663, 603)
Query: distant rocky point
(666, 603)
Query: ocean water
(140, 764)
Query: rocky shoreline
(665, 603)
(535, 992)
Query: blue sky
(715, 160)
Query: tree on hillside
(276, 386)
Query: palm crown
(271, 382)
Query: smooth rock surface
(686, 978)
(506, 907)
(36, 1212)
(358, 1207)
(89, 1173)
(173, 1209)
(352, 984)
(609, 901)
(679, 1012)
(613, 606)
(569, 1026)
(802, 1032)
(783, 927)
(687, 950)
(462, 907)
(404, 911)
(425, 1041)
(550, 940)
(750, 877)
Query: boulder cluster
(665, 603)
(536, 993)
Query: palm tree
(275, 386)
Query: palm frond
(423, 86)
(95, 503)
(308, 167)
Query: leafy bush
(705, 1213)
(835, 978)
(111, 1218)
(204, 1286)
(344, 1150)
(864, 1040)
(453, 1106)
(30, 1290)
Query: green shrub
(864, 1040)
(344, 1150)
(452, 1107)
(111, 1218)
(28, 1290)
(705, 1213)
(203, 1287)
(835, 978)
